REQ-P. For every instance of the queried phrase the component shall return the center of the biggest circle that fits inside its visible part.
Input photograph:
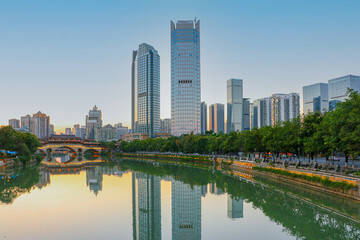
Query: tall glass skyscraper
(234, 105)
(185, 77)
(203, 117)
(145, 90)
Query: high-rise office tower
(338, 88)
(234, 207)
(246, 114)
(14, 123)
(203, 115)
(146, 203)
(252, 116)
(284, 107)
(93, 124)
(186, 211)
(185, 77)
(216, 117)
(261, 113)
(235, 105)
(145, 91)
(315, 98)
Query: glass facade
(185, 77)
(234, 105)
(145, 90)
(338, 87)
(216, 117)
(203, 117)
(246, 114)
(315, 98)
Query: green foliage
(336, 131)
(311, 178)
(25, 144)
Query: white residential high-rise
(275, 109)
(235, 109)
(38, 124)
(14, 123)
(145, 84)
(186, 211)
(185, 77)
(284, 107)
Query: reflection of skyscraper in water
(146, 199)
(215, 190)
(204, 190)
(44, 178)
(234, 207)
(186, 211)
(94, 179)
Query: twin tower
(185, 83)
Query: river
(128, 199)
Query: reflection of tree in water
(299, 217)
(22, 181)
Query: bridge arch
(67, 147)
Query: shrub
(311, 178)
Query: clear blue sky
(63, 56)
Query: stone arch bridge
(74, 144)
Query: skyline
(79, 51)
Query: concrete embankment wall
(351, 193)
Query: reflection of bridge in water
(74, 145)
(94, 172)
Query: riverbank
(12, 162)
(330, 182)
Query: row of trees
(335, 131)
(25, 144)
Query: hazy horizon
(64, 57)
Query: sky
(62, 57)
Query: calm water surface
(140, 200)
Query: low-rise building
(142, 136)
(108, 133)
